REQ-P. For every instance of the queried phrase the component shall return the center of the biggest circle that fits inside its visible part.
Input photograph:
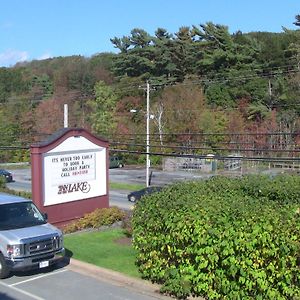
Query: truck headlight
(61, 241)
(58, 242)
(14, 250)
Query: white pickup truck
(26, 239)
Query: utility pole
(65, 115)
(148, 116)
(270, 92)
(147, 135)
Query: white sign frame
(71, 175)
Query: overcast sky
(39, 29)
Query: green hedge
(222, 238)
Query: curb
(116, 278)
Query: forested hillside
(206, 85)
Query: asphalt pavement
(22, 177)
(76, 281)
(22, 181)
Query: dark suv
(137, 195)
(6, 175)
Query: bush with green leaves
(96, 219)
(2, 183)
(222, 238)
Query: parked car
(115, 162)
(27, 241)
(6, 175)
(137, 195)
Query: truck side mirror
(45, 216)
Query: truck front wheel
(4, 271)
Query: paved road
(158, 177)
(76, 283)
(22, 182)
(125, 175)
(118, 198)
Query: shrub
(222, 238)
(96, 219)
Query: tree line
(203, 79)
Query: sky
(40, 29)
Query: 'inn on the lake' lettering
(84, 187)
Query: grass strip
(125, 186)
(103, 249)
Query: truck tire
(4, 271)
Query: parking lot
(73, 282)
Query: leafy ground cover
(109, 249)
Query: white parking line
(38, 277)
(21, 291)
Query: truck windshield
(19, 215)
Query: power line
(208, 80)
(14, 148)
(209, 148)
(199, 156)
(210, 134)
(131, 141)
(191, 135)
(217, 157)
(219, 78)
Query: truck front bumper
(35, 262)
